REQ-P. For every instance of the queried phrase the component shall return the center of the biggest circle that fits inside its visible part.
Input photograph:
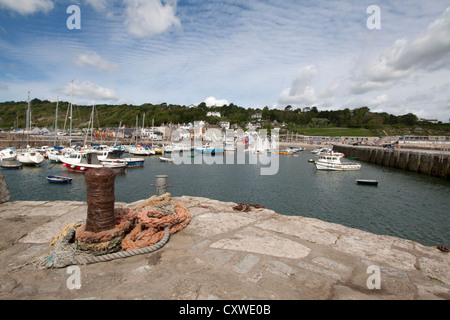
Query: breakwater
(426, 162)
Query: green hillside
(309, 121)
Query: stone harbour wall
(430, 163)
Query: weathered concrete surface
(223, 254)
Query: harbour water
(404, 204)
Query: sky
(391, 56)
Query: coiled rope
(155, 213)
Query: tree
(408, 119)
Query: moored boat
(83, 161)
(30, 158)
(8, 154)
(115, 156)
(11, 166)
(58, 179)
(334, 163)
(141, 151)
(367, 182)
(163, 159)
(130, 162)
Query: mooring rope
(157, 213)
(82, 260)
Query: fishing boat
(367, 182)
(334, 163)
(162, 159)
(58, 179)
(11, 166)
(83, 161)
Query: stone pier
(223, 254)
(431, 163)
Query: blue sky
(252, 53)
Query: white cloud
(25, 7)
(97, 5)
(93, 60)
(302, 91)
(429, 51)
(146, 18)
(211, 101)
(87, 89)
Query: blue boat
(11, 166)
(58, 179)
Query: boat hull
(58, 179)
(337, 167)
(30, 158)
(129, 162)
(83, 167)
(11, 166)
(7, 155)
(367, 182)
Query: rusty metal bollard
(161, 186)
(100, 199)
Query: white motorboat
(8, 154)
(30, 158)
(114, 156)
(327, 152)
(334, 163)
(141, 151)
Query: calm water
(404, 204)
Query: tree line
(12, 115)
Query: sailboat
(29, 156)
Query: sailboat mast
(56, 120)
(142, 129)
(137, 130)
(70, 118)
(28, 114)
(92, 117)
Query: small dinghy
(58, 179)
(11, 166)
(368, 182)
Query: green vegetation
(309, 121)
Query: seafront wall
(426, 162)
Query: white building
(213, 114)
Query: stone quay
(222, 254)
